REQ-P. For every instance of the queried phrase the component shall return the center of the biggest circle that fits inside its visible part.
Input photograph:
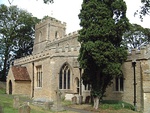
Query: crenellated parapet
(51, 21)
(31, 58)
(69, 49)
(68, 39)
(51, 52)
(143, 53)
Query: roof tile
(20, 73)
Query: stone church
(53, 65)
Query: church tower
(47, 31)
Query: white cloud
(68, 10)
(132, 7)
(63, 10)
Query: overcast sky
(68, 10)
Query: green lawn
(6, 101)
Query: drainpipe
(80, 70)
(32, 79)
(134, 65)
(80, 96)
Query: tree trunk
(4, 70)
(96, 102)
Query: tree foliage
(101, 54)
(16, 34)
(45, 1)
(136, 36)
(48, 1)
(144, 9)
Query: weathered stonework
(53, 50)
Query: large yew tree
(101, 54)
(16, 35)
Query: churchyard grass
(6, 101)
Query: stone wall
(22, 88)
(146, 84)
(129, 84)
(46, 79)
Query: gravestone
(69, 96)
(87, 99)
(1, 109)
(16, 102)
(48, 105)
(57, 103)
(24, 109)
(80, 99)
(74, 100)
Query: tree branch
(10, 2)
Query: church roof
(20, 73)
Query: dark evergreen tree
(103, 23)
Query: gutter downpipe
(134, 65)
(32, 79)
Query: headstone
(74, 100)
(1, 109)
(24, 109)
(57, 103)
(69, 96)
(87, 99)
(80, 99)
(16, 102)
(48, 105)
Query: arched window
(64, 77)
(77, 84)
(39, 76)
(119, 84)
(56, 34)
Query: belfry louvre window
(119, 84)
(39, 76)
(64, 77)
